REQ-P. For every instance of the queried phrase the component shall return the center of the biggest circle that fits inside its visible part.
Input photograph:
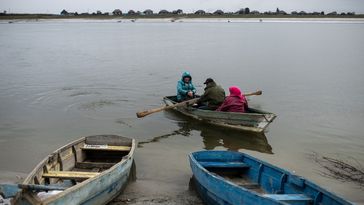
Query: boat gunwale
(81, 184)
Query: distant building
(281, 12)
(64, 12)
(334, 13)
(218, 12)
(117, 12)
(200, 12)
(148, 12)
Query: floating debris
(349, 170)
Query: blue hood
(186, 74)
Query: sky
(56, 6)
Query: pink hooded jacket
(235, 102)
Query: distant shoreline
(174, 17)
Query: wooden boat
(90, 170)
(225, 177)
(254, 120)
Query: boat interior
(249, 110)
(80, 160)
(261, 179)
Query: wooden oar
(151, 111)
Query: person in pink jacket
(235, 102)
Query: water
(63, 80)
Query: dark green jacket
(213, 96)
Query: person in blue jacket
(185, 88)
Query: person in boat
(185, 89)
(235, 102)
(213, 96)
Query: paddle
(151, 111)
(10, 190)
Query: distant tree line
(242, 11)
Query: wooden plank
(106, 148)
(90, 165)
(70, 175)
(224, 165)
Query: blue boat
(225, 177)
(90, 170)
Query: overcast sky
(55, 6)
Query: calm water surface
(63, 80)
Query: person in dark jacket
(213, 96)
(185, 89)
(235, 102)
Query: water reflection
(232, 140)
(214, 137)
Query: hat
(208, 80)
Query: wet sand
(162, 173)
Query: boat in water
(232, 178)
(90, 170)
(254, 120)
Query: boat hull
(100, 189)
(255, 120)
(276, 186)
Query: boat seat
(70, 175)
(106, 148)
(224, 165)
(291, 198)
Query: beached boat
(225, 177)
(254, 120)
(90, 170)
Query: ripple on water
(82, 93)
(123, 122)
(96, 105)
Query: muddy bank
(155, 192)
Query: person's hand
(190, 93)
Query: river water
(60, 80)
